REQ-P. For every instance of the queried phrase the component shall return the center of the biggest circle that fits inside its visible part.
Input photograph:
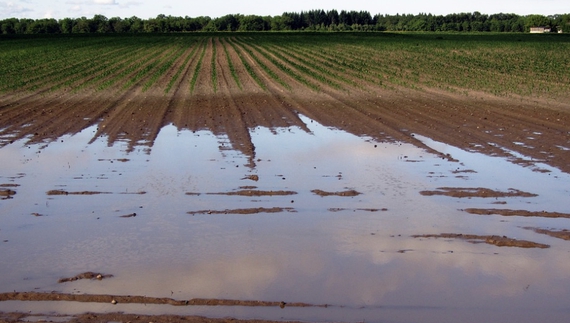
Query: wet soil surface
(119, 317)
(85, 275)
(61, 192)
(523, 213)
(476, 192)
(248, 192)
(122, 299)
(560, 234)
(499, 241)
(341, 193)
(245, 211)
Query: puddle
(314, 215)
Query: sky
(58, 9)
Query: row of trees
(313, 20)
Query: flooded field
(326, 224)
(327, 177)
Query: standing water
(319, 216)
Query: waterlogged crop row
(497, 64)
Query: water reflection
(349, 259)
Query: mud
(120, 317)
(116, 299)
(476, 192)
(62, 192)
(122, 160)
(9, 185)
(524, 213)
(341, 193)
(255, 193)
(6, 193)
(245, 211)
(560, 234)
(499, 241)
(85, 275)
(357, 209)
(252, 178)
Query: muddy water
(165, 222)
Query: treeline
(313, 20)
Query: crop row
(501, 65)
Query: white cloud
(10, 9)
(105, 2)
(129, 4)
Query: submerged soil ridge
(120, 317)
(524, 213)
(115, 299)
(499, 241)
(461, 192)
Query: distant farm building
(539, 30)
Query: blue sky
(216, 8)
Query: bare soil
(476, 192)
(248, 192)
(560, 234)
(341, 193)
(62, 192)
(120, 317)
(85, 275)
(245, 211)
(6, 193)
(525, 213)
(499, 241)
(115, 299)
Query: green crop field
(499, 64)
